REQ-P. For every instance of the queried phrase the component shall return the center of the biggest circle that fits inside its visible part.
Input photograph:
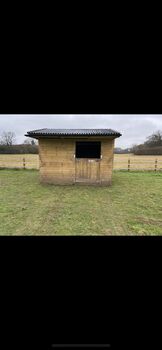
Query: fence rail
(21, 163)
(128, 164)
(134, 164)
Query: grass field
(120, 161)
(131, 206)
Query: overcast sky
(134, 128)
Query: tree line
(152, 145)
(8, 144)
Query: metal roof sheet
(73, 132)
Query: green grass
(131, 206)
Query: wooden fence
(129, 164)
(19, 162)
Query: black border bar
(81, 345)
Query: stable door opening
(87, 161)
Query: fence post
(155, 164)
(23, 163)
(128, 164)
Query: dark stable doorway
(88, 149)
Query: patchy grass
(131, 206)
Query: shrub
(149, 151)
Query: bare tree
(30, 141)
(154, 140)
(8, 138)
(27, 142)
(134, 148)
(34, 142)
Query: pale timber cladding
(60, 162)
(58, 165)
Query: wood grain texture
(87, 170)
(59, 166)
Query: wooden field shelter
(69, 156)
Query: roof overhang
(73, 133)
(72, 136)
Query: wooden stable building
(69, 156)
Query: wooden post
(155, 164)
(128, 164)
(23, 163)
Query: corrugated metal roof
(73, 132)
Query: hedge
(18, 149)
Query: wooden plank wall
(87, 170)
(106, 166)
(57, 162)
